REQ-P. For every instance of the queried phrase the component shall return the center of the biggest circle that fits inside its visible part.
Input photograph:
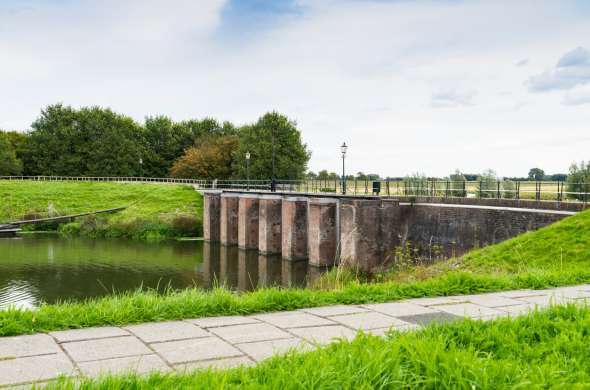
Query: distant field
(549, 190)
(155, 210)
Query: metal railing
(493, 189)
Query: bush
(578, 181)
(186, 225)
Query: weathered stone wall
(455, 229)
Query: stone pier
(229, 219)
(294, 228)
(248, 219)
(211, 215)
(369, 232)
(269, 224)
(322, 238)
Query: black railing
(493, 189)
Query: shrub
(578, 181)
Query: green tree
(536, 174)
(457, 181)
(91, 141)
(211, 159)
(272, 131)
(165, 141)
(9, 164)
(578, 181)
(361, 176)
(488, 184)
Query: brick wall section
(458, 229)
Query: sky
(411, 86)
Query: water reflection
(247, 270)
(51, 269)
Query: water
(50, 269)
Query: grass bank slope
(156, 210)
(527, 261)
(547, 349)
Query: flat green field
(154, 210)
(547, 349)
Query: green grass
(553, 256)
(155, 211)
(545, 349)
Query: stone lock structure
(361, 232)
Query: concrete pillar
(229, 219)
(322, 231)
(269, 224)
(247, 270)
(248, 221)
(211, 215)
(269, 270)
(294, 228)
(369, 232)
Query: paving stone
(34, 368)
(324, 334)
(386, 331)
(212, 322)
(434, 301)
(546, 300)
(218, 363)
(521, 293)
(337, 310)
(167, 331)
(30, 345)
(518, 309)
(571, 292)
(83, 351)
(427, 318)
(369, 320)
(398, 309)
(185, 351)
(249, 333)
(293, 319)
(140, 364)
(264, 349)
(88, 334)
(491, 300)
(469, 310)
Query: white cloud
(452, 98)
(572, 69)
(577, 97)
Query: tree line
(95, 141)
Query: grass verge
(156, 211)
(545, 349)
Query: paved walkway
(238, 340)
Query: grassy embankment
(555, 255)
(155, 211)
(546, 349)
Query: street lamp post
(248, 171)
(273, 182)
(141, 168)
(343, 149)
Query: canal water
(36, 269)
